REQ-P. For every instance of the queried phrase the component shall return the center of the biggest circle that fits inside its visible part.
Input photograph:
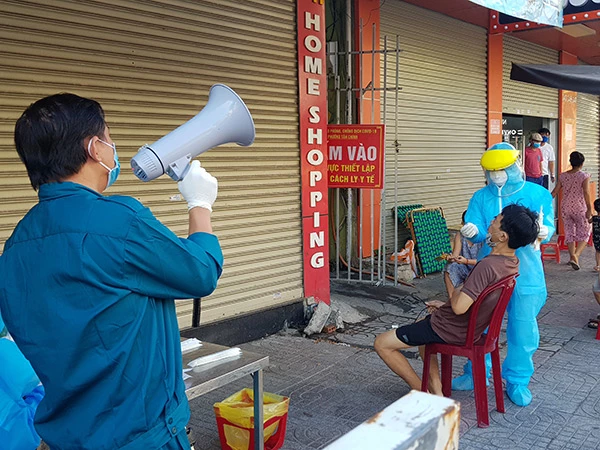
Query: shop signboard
(355, 156)
(549, 12)
(312, 103)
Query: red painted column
(567, 116)
(312, 103)
(494, 88)
(369, 110)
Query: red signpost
(355, 156)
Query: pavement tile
(337, 381)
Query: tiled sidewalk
(337, 381)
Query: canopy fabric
(570, 77)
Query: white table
(212, 376)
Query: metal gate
(354, 267)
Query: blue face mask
(545, 138)
(536, 145)
(113, 173)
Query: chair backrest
(507, 286)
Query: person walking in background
(461, 261)
(533, 160)
(575, 207)
(548, 157)
(595, 221)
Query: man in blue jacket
(89, 283)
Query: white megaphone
(224, 119)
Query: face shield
(503, 170)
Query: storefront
(151, 64)
(441, 119)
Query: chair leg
(446, 375)
(481, 401)
(425, 377)
(497, 372)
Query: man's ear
(91, 148)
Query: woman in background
(575, 207)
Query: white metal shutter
(587, 134)
(150, 63)
(525, 98)
(442, 108)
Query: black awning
(570, 77)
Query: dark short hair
(597, 205)
(521, 225)
(576, 159)
(463, 215)
(544, 131)
(49, 136)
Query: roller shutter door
(587, 133)
(525, 98)
(151, 64)
(442, 109)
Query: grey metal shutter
(151, 64)
(525, 98)
(442, 109)
(587, 134)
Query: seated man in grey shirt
(515, 227)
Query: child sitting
(461, 261)
(515, 227)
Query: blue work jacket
(87, 290)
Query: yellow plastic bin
(235, 420)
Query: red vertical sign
(313, 139)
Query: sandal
(574, 265)
(593, 324)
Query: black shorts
(419, 333)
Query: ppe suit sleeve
(475, 215)
(159, 264)
(548, 215)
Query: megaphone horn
(224, 119)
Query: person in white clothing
(548, 157)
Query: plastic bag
(407, 256)
(238, 409)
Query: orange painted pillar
(369, 111)
(494, 87)
(567, 139)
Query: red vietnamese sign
(312, 103)
(355, 156)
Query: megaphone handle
(177, 170)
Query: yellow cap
(499, 159)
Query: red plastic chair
(555, 255)
(475, 349)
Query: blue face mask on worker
(113, 173)
(536, 145)
(545, 138)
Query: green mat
(431, 238)
(402, 210)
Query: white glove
(469, 230)
(199, 188)
(544, 232)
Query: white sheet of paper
(216, 357)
